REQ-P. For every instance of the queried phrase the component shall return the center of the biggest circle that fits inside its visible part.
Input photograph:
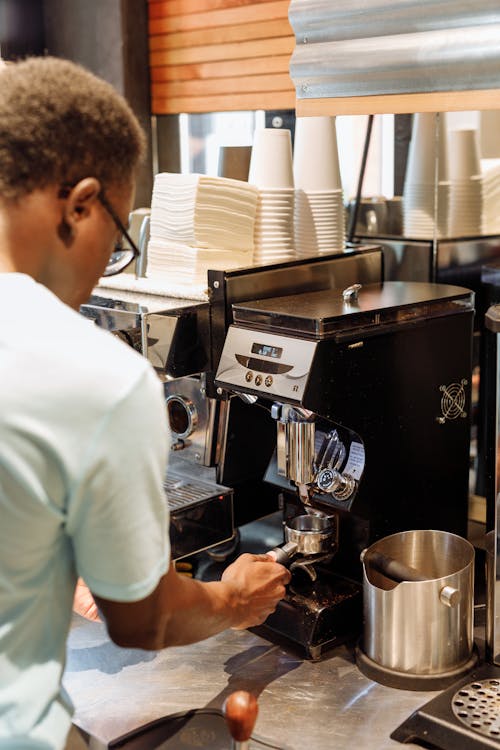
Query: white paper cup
(464, 154)
(271, 159)
(316, 158)
(421, 166)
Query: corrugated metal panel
(354, 48)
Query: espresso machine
(173, 334)
(368, 387)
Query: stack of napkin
(199, 223)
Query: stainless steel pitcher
(420, 627)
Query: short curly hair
(58, 124)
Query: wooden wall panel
(218, 55)
(162, 8)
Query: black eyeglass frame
(123, 256)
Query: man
(83, 438)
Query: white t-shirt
(83, 447)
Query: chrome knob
(350, 294)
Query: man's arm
(183, 610)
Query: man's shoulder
(104, 359)
(64, 349)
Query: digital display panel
(265, 350)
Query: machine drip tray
(201, 513)
(465, 716)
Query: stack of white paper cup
(491, 195)
(425, 213)
(271, 159)
(444, 184)
(464, 148)
(319, 211)
(466, 197)
(271, 171)
(273, 233)
(315, 157)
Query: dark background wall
(21, 28)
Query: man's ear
(81, 199)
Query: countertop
(302, 704)
(325, 704)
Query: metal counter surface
(318, 705)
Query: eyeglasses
(121, 256)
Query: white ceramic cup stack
(425, 213)
(271, 171)
(466, 196)
(319, 220)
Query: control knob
(341, 486)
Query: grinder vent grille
(477, 705)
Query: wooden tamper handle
(240, 712)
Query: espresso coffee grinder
(214, 478)
(369, 387)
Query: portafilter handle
(240, 712)
(283, 555)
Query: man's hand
(83, 602)
(184, 610)
(258, 583)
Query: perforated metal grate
(182, 492)
(477, 705)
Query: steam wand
(240, 712)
